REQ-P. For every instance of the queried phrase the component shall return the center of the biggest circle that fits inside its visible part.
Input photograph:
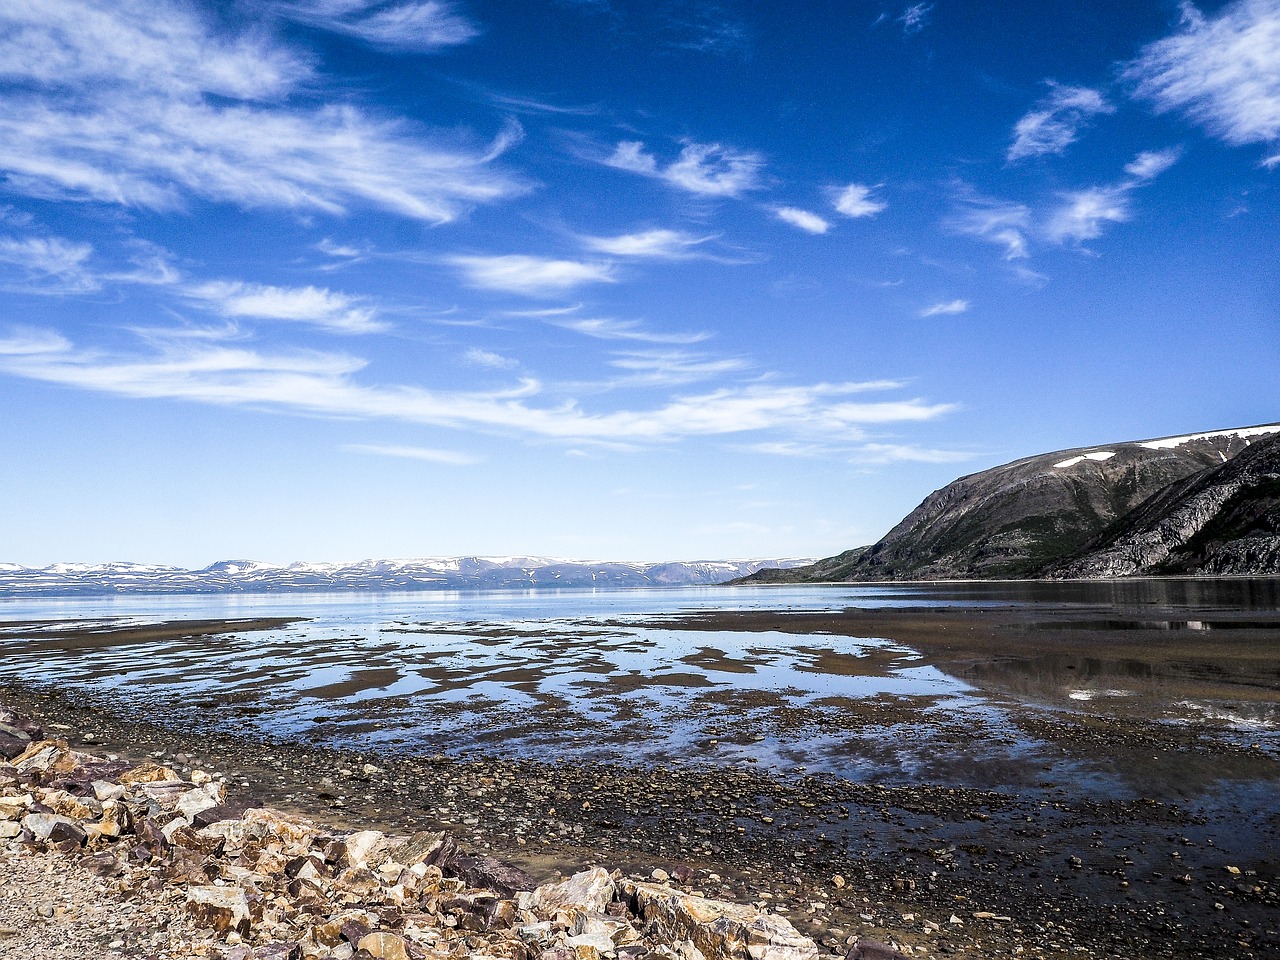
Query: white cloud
(604, 328)
(806, 221)
(329, 309)
(419, 26)
(146, 104)
(855, 201)
(674, 366)
(1151, 163)
(881, 453)
(703, 168)
(995, 221)
(655, 244)
(915, 18)
(1221, 72)
(49, 264)
(1056, 121)
(317, 383)
(1083, 213)
(532, 276)
(946, 308)
(450, 458)
(488, 359)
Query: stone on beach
(221, 909)
(717, 928)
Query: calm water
(575, 674)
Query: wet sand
(1114, 834)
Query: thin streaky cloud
(1056, 121)
(1083, 213)
(946, 308)
(1151, 163)
(653, 244)
(479, 357)
(323, 384)
(143, 105)
(1221, 72)
(48, 265)
(671, 367)
(915, 17)
(451, 458)
(317, 306)
(602, 328)
(708, 169)
(885, 453)
(855, 201)
(420, 26)
(1002, 223)
(529, 275)
(803, 219)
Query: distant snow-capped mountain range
(432, 573)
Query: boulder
(589, 891)
(53, 828)
(719, 930)
(220, 909)
(43, 757)
(384, 946)
(149, 773)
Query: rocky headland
(1173, 505)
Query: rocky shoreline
(933, 871)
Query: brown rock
(722, 931)
(53, 828)
(149, 773)
(384, 946)
(45, 756)
(221, 909)
(873, 950)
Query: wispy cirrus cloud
(651, 244)
(49, 265)
(855, 201)
(479, 357)
(420, 26)
(671, 367)
(604, 328)
(1083, 214)
(1076, 216)
(148, 104)
(1221, 72)
(994, 221)
(946, 308)
(451, 458)
(708, 169)
(803, 219)
(529, 275)
(1056, 121)
(915, 17)
(326, 384)
(316, 306)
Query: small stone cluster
(272, 886)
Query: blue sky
(335, 279)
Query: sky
(652, 280)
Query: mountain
(1014, 520)
(1223, 521)
(436, 573)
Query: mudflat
(1124, 802)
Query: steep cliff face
(1018, 519)
(1222, 521)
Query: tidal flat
(1099, 767)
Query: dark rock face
(1016, 520)
(1223, 521)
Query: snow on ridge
(1242, 433)
(1096, 455)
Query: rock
(726, 931)
(591, 890)
(196, 801)
(53, 828)
(417, 848)
(9, 829)
(590, 946)
(384, 946)
(149, 773)
(13, 742)
(43, 757)
(221, 909)
(659, 875)
(361, 849)
(104, 790)
(873, 950)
